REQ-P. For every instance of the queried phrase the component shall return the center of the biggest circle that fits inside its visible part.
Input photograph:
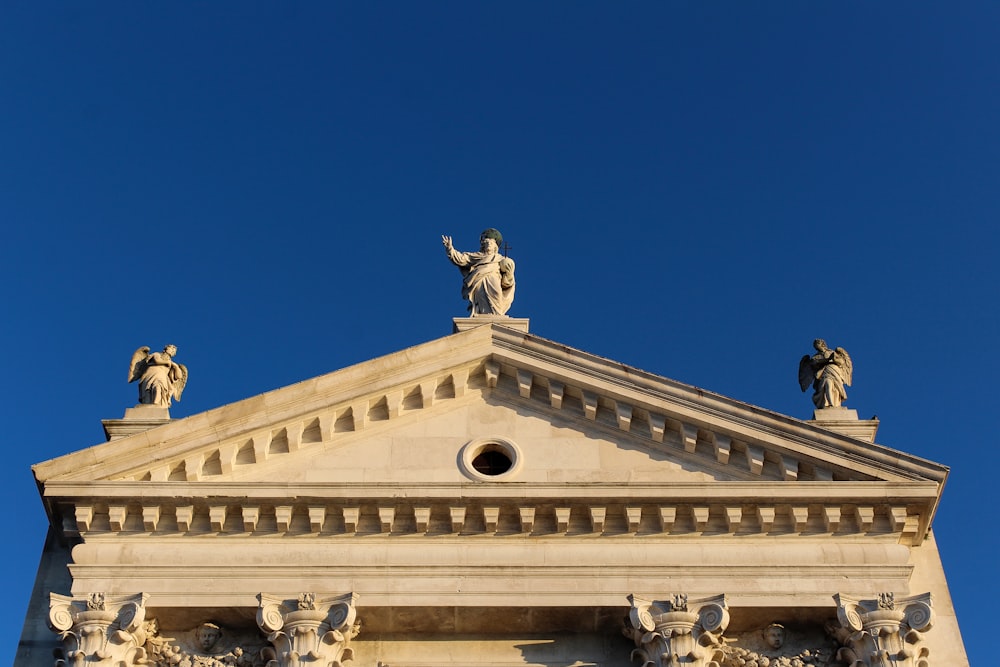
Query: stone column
(677, 632)
(100, 630)
(884, 632)
(308, 629)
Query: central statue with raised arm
(487, 276)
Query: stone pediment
(596, 446)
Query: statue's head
(170, 349)
(774, 635)
(491, 234)
(820, 345)
(208, 634)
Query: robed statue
(487, 276)
(160, 377)
(828, 371)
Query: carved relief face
(774, 636)
(208, 636)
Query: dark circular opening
(491, 462)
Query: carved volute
(677, 632)
(308, 630)
(883, 632)
(99, 630)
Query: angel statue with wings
(828, 371)
(160, 377)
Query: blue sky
(695, 189)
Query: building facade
(490, 498)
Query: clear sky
(697, 189)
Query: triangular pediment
(581, 429)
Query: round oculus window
(490, 459)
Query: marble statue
(160, 377)
(828, 371)
(487, 276)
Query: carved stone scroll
(99, 630)
(308, 629)
(883, 631)
(677, 631)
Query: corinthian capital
(677, 631)
(99, 630)
(320, 628)
(882, 631)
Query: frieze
(205, 645)
(776, 645)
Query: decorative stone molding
(99, 630)
(307, 629)
(884, 631)
(677, 631)
(793, 510)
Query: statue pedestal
(835, 414)
(136, 420)
(466, 323)
(845, 421)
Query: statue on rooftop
(487, 276)
(160, 377)
(828, 371)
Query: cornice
(840, 491)
(874, 509)
(556, 361)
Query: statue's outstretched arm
(457, 257)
